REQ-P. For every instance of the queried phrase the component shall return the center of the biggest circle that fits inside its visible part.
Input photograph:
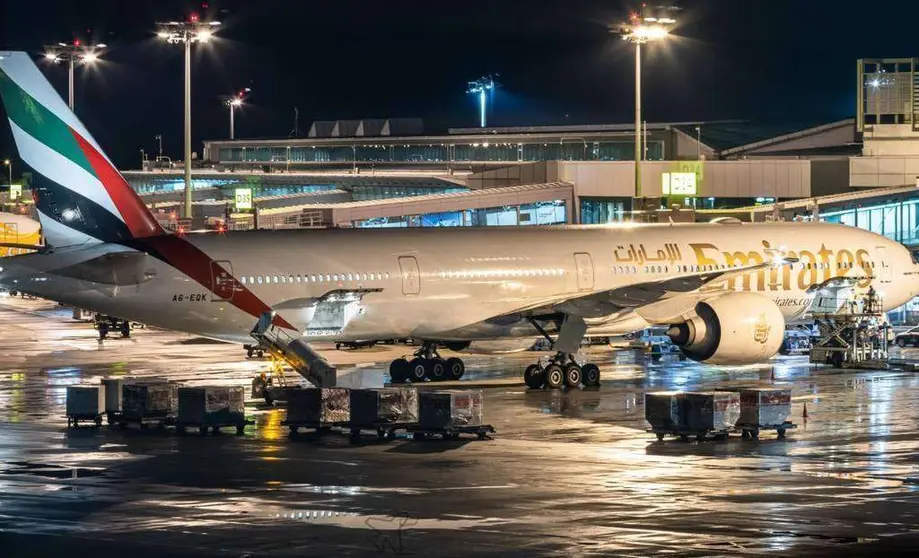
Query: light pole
(233, 102)
(641, 29)
(186, 33)
(72, 53)
(9, 166)
(481, 88)
(699, 143)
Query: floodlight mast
(481, 87)
(72, 53)
(642, 27)
(234, 102)
(185, 33)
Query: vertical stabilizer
(80, 196)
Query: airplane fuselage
(451, 284)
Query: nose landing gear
(427, 364)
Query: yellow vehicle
(17, 233)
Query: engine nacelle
(737, 328)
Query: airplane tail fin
(80, 196)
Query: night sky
(776, 60)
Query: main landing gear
(427, 364)
(562, 370)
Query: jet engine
(736, 328)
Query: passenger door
(584, 271)
(223, 284)
(411, 276)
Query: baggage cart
(450, 414)
(481, 431)
(751, 431)
(85, 403)
(318, 409)
(211, 407)
(692, 415)
(383, 410)
(148, 404)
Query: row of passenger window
(314, 278)
(467, 274)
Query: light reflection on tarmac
(569, 473)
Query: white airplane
(725, 288)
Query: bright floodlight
(51, 56)
(236, 102)
(204, 36)
(650, 32)
(90, 57)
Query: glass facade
(540, 213)
(383, 192)
(598, 211)
(897, 220)
(566, 150)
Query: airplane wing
(654, 300)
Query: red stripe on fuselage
(192, 261)
(132, 209)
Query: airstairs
(287, 349)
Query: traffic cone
(805, 410)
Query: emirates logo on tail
(761, 329)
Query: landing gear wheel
(660, 436)
(555, 376)
(534, 377)
(590, 375)
(436, 369)
(572, 375)
(455, 368)
(398, 371)
(259, 354)
(417, 369)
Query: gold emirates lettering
(812, 267)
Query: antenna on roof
(295, 132)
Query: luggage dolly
(319, 428)
(384, 430)
(159, 421)
(751, 431)
(73, 421)
(685, 434)
(203, 427)
(451, 432)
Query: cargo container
(85, 403)
(764, 409)
(211, 407)
(113, 393)
(662, 411)
(451, 413)
(370, 407)
(715, 411)
(317, 408)
(143, 402)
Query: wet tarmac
(569, 473)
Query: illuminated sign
(678, 183)
(243, 198)
(15, 191)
